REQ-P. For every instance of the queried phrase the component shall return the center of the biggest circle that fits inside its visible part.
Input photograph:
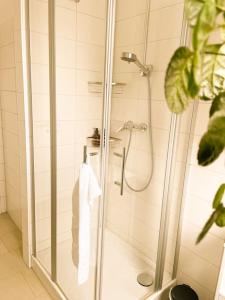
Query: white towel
(86, 190)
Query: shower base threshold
(122, 264)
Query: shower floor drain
(145, 279)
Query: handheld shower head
(132, 57)
(129, 57)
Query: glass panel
(138, 114)
(41, 128)
(176, 192)
(80, 49)
(133, 219)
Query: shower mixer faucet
(130, 125)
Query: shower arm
(144, 69)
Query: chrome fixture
(145, 72)
(145, 279)
(132, 57)
(121, 182)
(130, 125)
(85, 154)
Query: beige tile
(6, 224)
(14, 288)
(3, 249)
(8, 79)
(9, 265)
(43, 297)
(34, 283)
(65, 23)
(39, 16)
(166, 23)
(17, 255)
(96, 8)
(90, 29)
(12, 240)
(199, 269)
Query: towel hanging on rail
(86, 190)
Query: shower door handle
(121, 183)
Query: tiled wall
(136, 216)
(12, 108)
(199, 264)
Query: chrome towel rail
(85, 154)
(121, 182)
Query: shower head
(129, 57)
(132, 57)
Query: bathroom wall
(199, 264)
(11, 92)
(135, 216)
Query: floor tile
(33, 282)
(3, 249)
(15, 287)
(6, 224)
(17, 281)
(12, 240)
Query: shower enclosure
(78, 82)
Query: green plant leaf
(219, 196)
(208, 69)
(192, 10)
(204, 25)
(220, 4)
(208, 225)
(201, 31)
(218, 73)
(218, 104)
(213, 141)
(220, 220)
(177, 80)
(195, 75)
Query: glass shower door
(137, 201)
(132, 217)
(128, 221)
(80, 60)
(41, 129)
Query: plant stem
(214, 53)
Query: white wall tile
(9, 102)
(7, 57)
(90, 29)
(198, 269)
(65, 23)
(165, 23)
(97, 8)
(157, 4)
(158, 57)
(8, 79)
(39, 16)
